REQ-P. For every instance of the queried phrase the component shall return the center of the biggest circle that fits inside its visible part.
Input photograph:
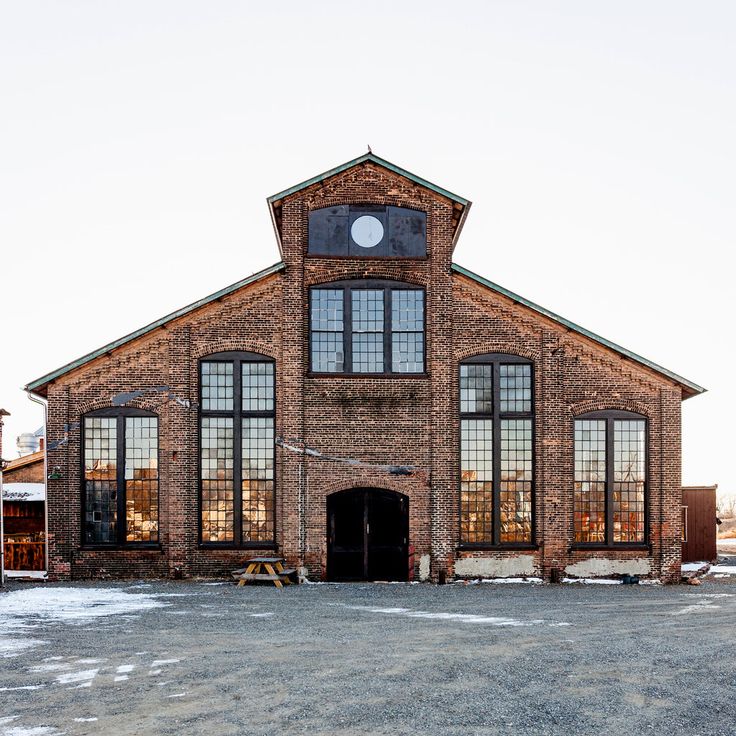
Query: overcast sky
(139, 141)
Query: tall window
(367, 327)
(120, 460)
(610, 478)
(237, 449)
(496, 450)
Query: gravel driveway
(202, 658)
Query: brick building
(368, 409)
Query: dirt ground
(202, 658)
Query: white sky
(139, 140)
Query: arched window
(120, 486)
(496, 450)
(610, 478)
(237, 451)
(366, 327)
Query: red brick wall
(411, 420)
(31, 473)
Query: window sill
(638, 547)
(121, 548)
(413, 376)
(479, 547)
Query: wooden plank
(259, 576)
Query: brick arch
(375, 271)
(519, 350)
(610, 404)
(408, 487)
(148, 402)
(235, 345)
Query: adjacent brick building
(369, 410)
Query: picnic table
(266, 569)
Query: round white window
(367, 231)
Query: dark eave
(689, 388)
(461, 205)
(40, 383)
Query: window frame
(496, 415)
(237, 358)
(347, 286)
(610, 416)
(120, 414)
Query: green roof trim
(33, 385)
(376, 160)
(692, 388)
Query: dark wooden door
(367, 535)
(699, 523)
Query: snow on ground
(592, 581)
(723, 570)
(693, 566)
(20, 610)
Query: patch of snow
(592, 581)
(650, 581)
(693, 566)
(84, 720)
(469, 618)
(125, 668)
(261, 615)
(159, 662)
(8, 719)
(15, 647)
(177, 695)
(121, 678)
(21, 687)
(35, 731)
(34, 574)
(723, 570)
(155, 672)
(527, 581)
(80, 676)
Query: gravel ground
(368, 659)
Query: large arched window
(366, 327)
(610, 478)
(120, 487)
(496, 450)
(237, 452)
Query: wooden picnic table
(267, 569)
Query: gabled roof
(39, 383)
(461, 204)
(688, 387)
(21, 462)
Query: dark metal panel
(328, 231)
(407, 232)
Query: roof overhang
(689, 388)
(460, 204)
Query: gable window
(610, 478)
(120, 461)
(237, 480)
(496, 450)
(367, 327)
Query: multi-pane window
(610, 478)
(237, 449)
(120, 459)
(367, 327)
(496, 450)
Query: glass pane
(141, 479)
(217, 479)
(368, 352)
(476, 389)
(516, 480)
(217, 386)
(100, 480)
(408, 352)
(327, 310)
(476, 476)
(327, 352)
(407, 310)
(515, 387)
(367, 310)
(590, 480)
(258, 479)
(629, 476)
(258, 386)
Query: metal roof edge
(33, 385)
(376, 160)
(692, 387)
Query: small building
(699, 525)
(363, 398)
(24, 514)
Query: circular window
(367, 231)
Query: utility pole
(3, 413)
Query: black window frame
(496, 415)
(388, 287)
(120, 414)
(237, 358)
(610, 416)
